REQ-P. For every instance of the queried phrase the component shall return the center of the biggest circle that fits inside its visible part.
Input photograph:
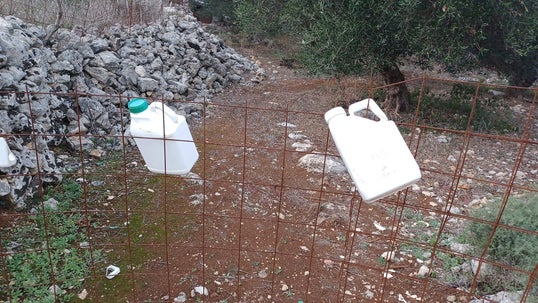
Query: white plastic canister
(7, 158)
(163, 137)
(374, 152)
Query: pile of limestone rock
(54, 92)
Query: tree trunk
(398, 97)
(56, 26)
(522, 73)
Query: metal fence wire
(268, 214)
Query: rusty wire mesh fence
(267, 214)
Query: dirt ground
(253, 225)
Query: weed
(452, 110)
(52, 276)
(415, 251)
(289, 293)
(509, 246)
(381, 261)
(422, 227)
(67, 193)
(449, 261)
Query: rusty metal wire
(252, 225)
(263, 228)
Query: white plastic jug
(7, 158)
(163, 137)
(374, 152)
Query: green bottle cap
(137, 105)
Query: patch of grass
(422, 227)
(67, 193)
(44, 252)
(423, 230)
(148, 232)
(508, 246)
(449, 261)
(381, 261)
(452, 110)
(289, 293)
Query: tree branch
(56, 25)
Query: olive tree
(354, 37)
(343, 37)
(259, 18)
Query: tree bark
(57, 23)
(398, 97)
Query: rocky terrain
(79, 83)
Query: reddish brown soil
(268, 230)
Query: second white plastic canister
(374, 152)
(163, 137)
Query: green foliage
(354, 36)
(259, 18)
(452, 110)
(496, 34)
(503, 36)
(508, 246)
(220, 9)
(449, 261)
(67, 192)
(47, 252)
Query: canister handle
(167, 111)
(370, 105)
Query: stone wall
(76, 84)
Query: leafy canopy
(349, 37)
(357, 36)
